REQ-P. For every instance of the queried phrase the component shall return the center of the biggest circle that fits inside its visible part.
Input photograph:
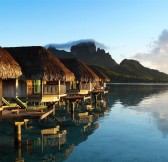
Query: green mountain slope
(132, 70)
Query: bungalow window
(74, 85)
(37, 86)
(29, 87)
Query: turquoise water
(135, 129)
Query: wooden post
(25, 122)
(59, 88)
(18, 133)
(17, 87)
(95, 97)
(0, 92)
(59, 142)
(72, 110)
(70, 85)
(53, 109)
(59, 103)
(19, 158)
(1, 111)
(42, 144)
(67, 106)
(101, 96)
(90, 86)
(77, 105)
(41, 88)
(79, 87)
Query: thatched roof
(82, 71)
(100, 72)
(38, 63)
(9, 68)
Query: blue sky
(129, 28)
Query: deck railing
(50, 89)
(47, 90)
(87, 86)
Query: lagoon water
(135, 129)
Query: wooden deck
(22, 114)
(77, 97)
(96, 91)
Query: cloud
(157, 58)
(67, 46)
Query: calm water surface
(135, 129)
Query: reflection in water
(46, 140)
(124, 128)
(145, 98)
(47, 148)
(132, 95)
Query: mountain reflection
(151, 99)
(132, 95)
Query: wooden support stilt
(95, 97)
(1, 111)
(59, 88)
(25, 122)
(77, 105)
(59, 142)
(29, 144)
(72, 110)
(0, 92)
(19, 158)
(54, 109)
(42, 144)
(101, 96)
(18, 133)
(67, 106)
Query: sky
(131, 29)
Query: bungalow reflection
(59, 146)
(53, 138)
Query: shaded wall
(0, 92)
(22, 89)
(9, 88)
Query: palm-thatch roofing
(81, 71)
(100, 72)
(38, 63)
(9, 68)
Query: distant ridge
(133, 71)
(126, 71)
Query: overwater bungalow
(9, 72)
(43, 75)
(102, 76)
(86, 79)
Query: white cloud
(157, 58)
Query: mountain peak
(130, 62)
(88, 53)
